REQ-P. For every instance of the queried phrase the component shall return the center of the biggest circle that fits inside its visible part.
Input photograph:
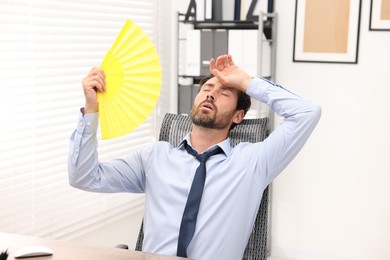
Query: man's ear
(238, 116)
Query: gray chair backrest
(173, 129)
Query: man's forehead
(216, 83)
(213, 81)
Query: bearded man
(217, 224)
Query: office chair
(173, 129)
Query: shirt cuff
(88, 124)
(258, 88)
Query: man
(236, 177)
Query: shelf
(231, 25)
(228, 24)
(193, 77)
(225, 25)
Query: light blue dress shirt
(234, 185)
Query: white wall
(332, 202)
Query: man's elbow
(315, 114)
(75, 180)
(317, 111)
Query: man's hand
(93, 83)
(229, 74)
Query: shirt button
(88, 123)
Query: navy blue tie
(188, 222)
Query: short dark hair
(243, 101)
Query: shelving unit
(188, 84)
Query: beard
(204, 120)
(209, 119)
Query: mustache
(208, 103)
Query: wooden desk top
(65, 250)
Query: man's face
(214, 106)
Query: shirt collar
(225, 144)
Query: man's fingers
(96, 70)
(99, 79)
(219, 75)
(212, 65)
(230, 60)
(95, 79)
(101, 73)
(96, 84)
(215, 72)
(221, 62)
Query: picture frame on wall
(380, 15)
(326, 31)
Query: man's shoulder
(163, 145)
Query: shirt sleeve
(87, 173)
(300, 118)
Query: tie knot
(202, 157)
(206, 155)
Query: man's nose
(210, 96)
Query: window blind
(46, 48)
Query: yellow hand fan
(133, 82)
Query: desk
(65, 250)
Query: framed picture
(327, 31)
(380, 15)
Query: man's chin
(203, 121)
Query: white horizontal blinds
(15, 131)
(166, 30)
(46, 48)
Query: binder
(228, 10)
(185, 99)
(243, 48)
(208, 9)
(193, 53)
(217, 10)
(206, 51)
(220, 43)
(237, 10)
(202, 45)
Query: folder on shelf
(237, 10)
(193, 53)
(202, 45)
(217, 10)
(208, 9)
(228, 10)
(206, 51)
(243, 48)
(220, 43)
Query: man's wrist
(89, 109)
(245, 83)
